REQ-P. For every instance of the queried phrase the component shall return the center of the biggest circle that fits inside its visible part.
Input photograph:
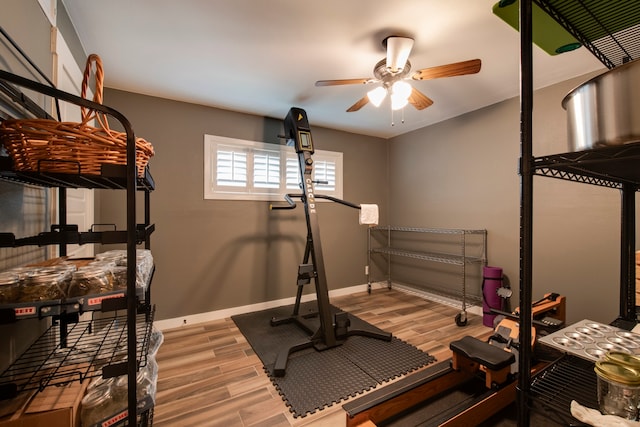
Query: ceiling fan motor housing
(386, 76)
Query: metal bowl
(605, 111)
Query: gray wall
(463, 173)
(212, 254)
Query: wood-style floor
(210, 376)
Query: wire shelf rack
(94, 347)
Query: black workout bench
(470, 353)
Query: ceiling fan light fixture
(398, 50)
(400, 92)
(377, 95)
(398, 102)
(401, 89)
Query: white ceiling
(263, 57)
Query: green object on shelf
(547, 33)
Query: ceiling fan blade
(456, 69)
(344, 82)
(419, 99)
(358, 105)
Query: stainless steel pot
(605, 110)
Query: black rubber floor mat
(384, 360)
(318, 379)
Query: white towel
(593, 417)
(369, 214)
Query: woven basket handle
(97, 96)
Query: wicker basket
(43, 145)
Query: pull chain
(401, 117)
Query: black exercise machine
(334, 327)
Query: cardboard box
(55, 406)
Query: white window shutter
(231, 168)
(266, 169)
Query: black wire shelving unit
(611, 32)
(72, 348)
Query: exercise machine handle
(334, 199)
(288, 198)
(292, 204)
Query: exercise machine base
(486, 365)
(415, 392)
(342, 331)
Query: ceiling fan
(393, 71)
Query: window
(235, 169)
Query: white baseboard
(228, 312)
(223, 314)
